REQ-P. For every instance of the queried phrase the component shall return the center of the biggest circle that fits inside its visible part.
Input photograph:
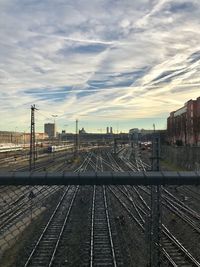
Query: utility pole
(155, 216)
(54, 116)
(115, 145)
(32, 158)
(16, 142)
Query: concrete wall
(186, 157)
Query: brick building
(183, 125)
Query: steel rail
(194, 193)
(136, 207)
(107, 218)
(114, 163)
(109, 228)
(182, 205)
(179, 208)
(130, 165)
(181, 215)
(178, 244)
(83, 166)
(166, 233)
(46, 227)
(108, 165)
(92, 228)
(62, 229)
(95, 211)
(92, 164)
(126, 208)
(175, 241)
(15, 213)
(169, 258)
(83, 163)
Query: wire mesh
(24, 211)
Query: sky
(120, 63)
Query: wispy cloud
(124, 59)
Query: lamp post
(54, 116)
(54, 134)
(24, 136)
(77, 138)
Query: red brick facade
(183, 125)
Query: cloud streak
(123, 59)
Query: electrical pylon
(155, 220)
(32, 157)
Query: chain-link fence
(37, 219)
(24, 212)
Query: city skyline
(125, 64)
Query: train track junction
(94, 209)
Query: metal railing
(101, 178)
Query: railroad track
(172, 203)
(114, 163)
(46, 161)
(103, 248)
(45, 250)
(177, 207)
(192, 192)
(17, 203)
(188, 215)
(23, 207)
(173, 250)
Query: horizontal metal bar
(100, 178)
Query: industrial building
(134, 134)
(8, 137)
(109, 130)
(50, 129)
(183, 125)
(11, 137)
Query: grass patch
(168, 166)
